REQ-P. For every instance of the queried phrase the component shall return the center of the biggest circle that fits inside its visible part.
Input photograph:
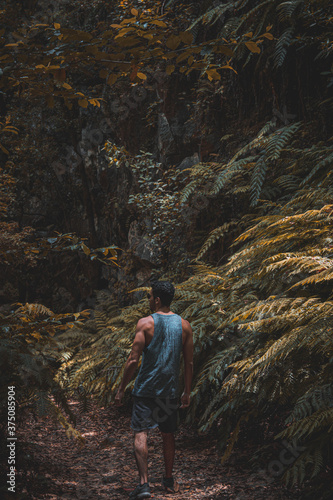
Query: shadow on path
(105, 467)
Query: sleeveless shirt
(160, 366)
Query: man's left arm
(132, 360)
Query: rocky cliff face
(66, 182)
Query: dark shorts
(148, 413)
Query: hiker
(161, 337)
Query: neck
(163, 309)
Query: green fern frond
(315, 398)
(327, 161)
(213, 15)
(190, 188)
(288, 182)
(228, 172)
(251, 12)
(321, 419)
(287, 9)
(282, 46)
(277, 140)
(215, 235)
(257, 180)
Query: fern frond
(234, 437)
(215, 235)
(190, 188)
(257, 180)
(287, 9)
(327, 161)
(282, 46)
(213, 15)
(321, 419)
(315, 398)
(228, 172)
(279, 139)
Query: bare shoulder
(145, 322)
(186, 327)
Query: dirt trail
(105, 467)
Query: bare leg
(169, 452)
(141, 455)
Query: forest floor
(104, 468)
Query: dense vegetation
(191, 142)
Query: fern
(214, 236)
(213, 15)
(287, 9)
(262, 320)
(327, 161)
(257, 180)
(315, 398)
(279, 139)
(190, 188)
(30, 356)
(253, 11)
(282, 46)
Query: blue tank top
(160, 366)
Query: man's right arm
(188, 364)
(133, 359)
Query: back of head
(164, 290)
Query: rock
(143, 276)
(133, 234)
(189, 162)
(143, 245)
(165, 137)
(147, 250)
(189, 131)
(176, 128)
(149, 223)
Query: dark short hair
(164, 290)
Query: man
(162, 337)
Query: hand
(119, 397)
(185, 400)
